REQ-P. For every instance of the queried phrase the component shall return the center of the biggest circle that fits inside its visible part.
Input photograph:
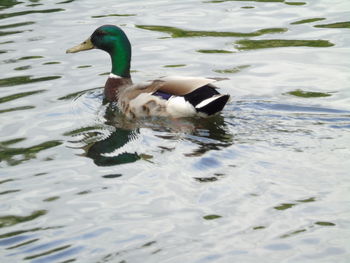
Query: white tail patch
(179, 107)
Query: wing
(182, 85)
(133, 91)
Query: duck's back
(172, 97)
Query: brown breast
(113, 85)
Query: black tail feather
(200, 94)
(215, 105)
(207, 92)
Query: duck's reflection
(101, 151)
(108, 148)
(105, 145)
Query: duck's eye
(101, 33)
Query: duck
(173, 96)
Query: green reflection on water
(22, 58)
(13, 141)
(84, 66)
(9, 191)
(84, 192)
(211, 217)
(111, 176)
(66, 2)
(175, 66)
(284, 206)
(113, 15)
(107, 73)
(231, 70)
(307, 200)
(17, 24)
(310, 20)
(24, 243)
(50, 199)
(23, 67)
(7, 153)
(5, 33)
(48, 252)
(335, 25)
(259, 227)
(51, 63)
(293, 233)
(6, 181)
(8, 3)
(206, 179)
(10, 220)
(323, 223)
(178, 32)
(273, 43)
(205, 51)
(6, 42)
(31, 5)
(30, 57)
(19, 95)
(20, 232)
(20, 80)
(296, 232)
(7, 15)
(308, 94)
(295, 3)
(17, 109)
(148, 244)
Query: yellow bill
(86, 45)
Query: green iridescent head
(114, 41)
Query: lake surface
(267, 180)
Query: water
(266, 180)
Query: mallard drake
(169, 96)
